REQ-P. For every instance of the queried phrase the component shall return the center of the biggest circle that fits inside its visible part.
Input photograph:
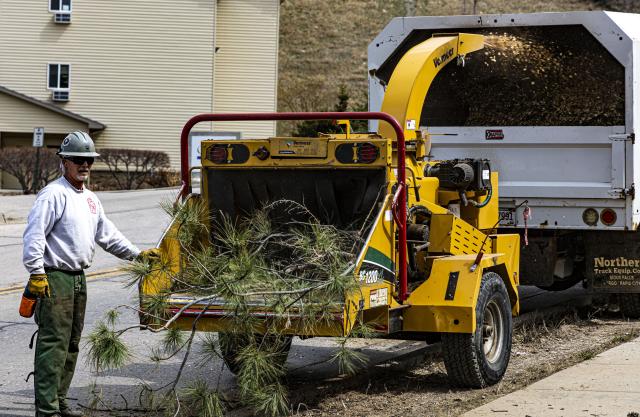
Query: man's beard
(82, 176)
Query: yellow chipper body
(432, 266)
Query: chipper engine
(430, 265)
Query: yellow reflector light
(590, 216)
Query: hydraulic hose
(486, 200)
(489, 194)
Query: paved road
(137, 214)
(308, 358)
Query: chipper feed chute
(425, 261)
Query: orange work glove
(150, 255)
(39, 285)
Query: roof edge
(92, 124)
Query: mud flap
(538, 260)
(613, 261)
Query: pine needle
(106, 350)
(258, 367)
(270, 401)
(172, 340)
(156, 355)
(349, 361)
(363, 330)
(191, 217)
(137, 271)
(95, 395)
(112, 317)
(209, 349)
(202, 401)
(156, 306)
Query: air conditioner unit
(64, 18)
(60, 95)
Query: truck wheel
(480, 359)
(630, 305)
(232, 344)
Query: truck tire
(231, 345)
(630, 305)
(480, 359)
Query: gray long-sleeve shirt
(63, 227)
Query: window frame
(48, 74)
(61, 10)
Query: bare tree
(464, 6)
(409, 7)
(130, 168)
(21, 163)
(49, 167)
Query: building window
(58, 76)
(60, 6)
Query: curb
(92, 276)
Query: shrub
(311, 128)
(130, 168)
(21, 162)
(164, 178)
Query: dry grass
(541, 326)
(542, 346)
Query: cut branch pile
(298, 269)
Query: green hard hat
(78, 144)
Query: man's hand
(39, 285)
(149, 255)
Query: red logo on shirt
(92, 205)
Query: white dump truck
(553, 103)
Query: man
(65, 223)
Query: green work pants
(60, 319)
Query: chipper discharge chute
(426, 262)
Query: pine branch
(297, 269)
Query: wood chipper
(431, 266)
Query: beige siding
(144, 67)
(140, 67)
(17, 115)
(246, 63)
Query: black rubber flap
(343, 198)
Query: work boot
(66, 411)
(69, 412)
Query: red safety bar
(400, 199)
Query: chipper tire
(232, 344)
(480, 359)
(630, 305)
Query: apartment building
(132, 72)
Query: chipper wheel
(480, 359)
(232, 344)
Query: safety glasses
(80, 160)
